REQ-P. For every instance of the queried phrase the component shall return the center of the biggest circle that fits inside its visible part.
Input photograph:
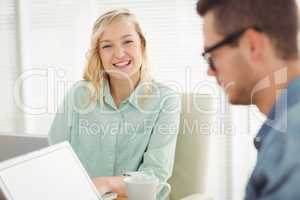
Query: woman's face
(120, 49)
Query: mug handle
(167, 185)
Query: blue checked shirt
(277, 171)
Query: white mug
(143, 187)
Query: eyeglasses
(228, 40)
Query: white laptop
(51, 173)
(12, 145)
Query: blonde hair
(94, 71)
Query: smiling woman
(119, 119)
(121, 51)
(118, 48)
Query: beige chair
(190, 169)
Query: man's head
(253, 36)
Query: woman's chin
(127, 70)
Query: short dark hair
(278, 19)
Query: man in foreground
(251, 47)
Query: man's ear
(252, 45)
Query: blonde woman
(118, 119)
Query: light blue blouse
(140, 135)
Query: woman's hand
(110, 184)
(102, 184)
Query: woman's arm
(60, 129)
(160, 155)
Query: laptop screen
(51, 173)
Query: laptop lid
(12, 145)
(51, 173)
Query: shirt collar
(133, 99)
(106, 95)
(277, 118)
(137, 94)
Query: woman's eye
(128, 41)
(106, 46)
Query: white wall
(43, 44)
(54, 37)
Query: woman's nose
(119, 52)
